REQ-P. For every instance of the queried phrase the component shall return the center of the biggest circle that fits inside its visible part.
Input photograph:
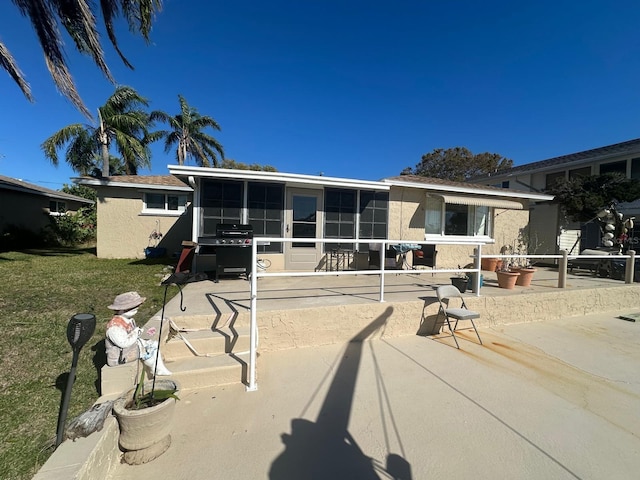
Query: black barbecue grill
(232, 248)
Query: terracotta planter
(507, 279)
(491, 264)
(526, 274)
(145, 433)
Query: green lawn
(40, 292)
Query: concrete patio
(552, 393)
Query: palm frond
(8, 63)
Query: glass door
(303, 221)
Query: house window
(265, 213)
(57, 208)
(221, 203)
(167, 203)
(374, 208)
(450, 219)
(635, 168)
(614, 167)
(340, 216)
(579, 172)
(552, 179)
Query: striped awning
(482, 201)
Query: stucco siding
(27, 211)
(123, 231)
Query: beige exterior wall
(407, 217)
(28, 211)
(123, 231)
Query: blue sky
(358, 89)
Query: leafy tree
(582, 198)
(229, 163)
(458, 164)
(187, 137)
(79, 19)
(122, 123)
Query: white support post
(476, 278)
(631, 263)
(383, 260)
(253, 329)
(562, 269)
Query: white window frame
(60, 210)
(472, 211)
(146, 210)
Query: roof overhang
(97, 182)
(476, 190)
(290, 179)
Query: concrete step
(218, 321)
(202, 372)
(224, 340)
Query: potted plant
(145, 412)
(506, 277)
(460, 281)
(153, 250)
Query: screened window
(221, 203)
(340, 216)
(456, 220)
(168, 203)
(374, 208)
(265, 210)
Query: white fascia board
(137, 186)
(289, 179)
(473, 191)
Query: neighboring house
(553, 231)
(27, 206)
(132, 207)
(454, 216)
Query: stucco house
(453, 216)
(553, 230)
(138, 211)
(28, 206)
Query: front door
(303, 220)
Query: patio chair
(425, 256)
(447, 293)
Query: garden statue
(123, 342)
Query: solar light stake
(79, 331)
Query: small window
(552, 179)
(170, 203)
(57, 208)
(635, 168)
(579, 172)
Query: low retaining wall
(316, 326)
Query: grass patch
(42, 290)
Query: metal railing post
(383, 259)
(562, 269)
(253, 329)
(631, 263)
(477, 263)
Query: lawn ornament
(123, 341)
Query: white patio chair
(447, 293)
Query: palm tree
(187, 136)
(121, 123)
(79, 20)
